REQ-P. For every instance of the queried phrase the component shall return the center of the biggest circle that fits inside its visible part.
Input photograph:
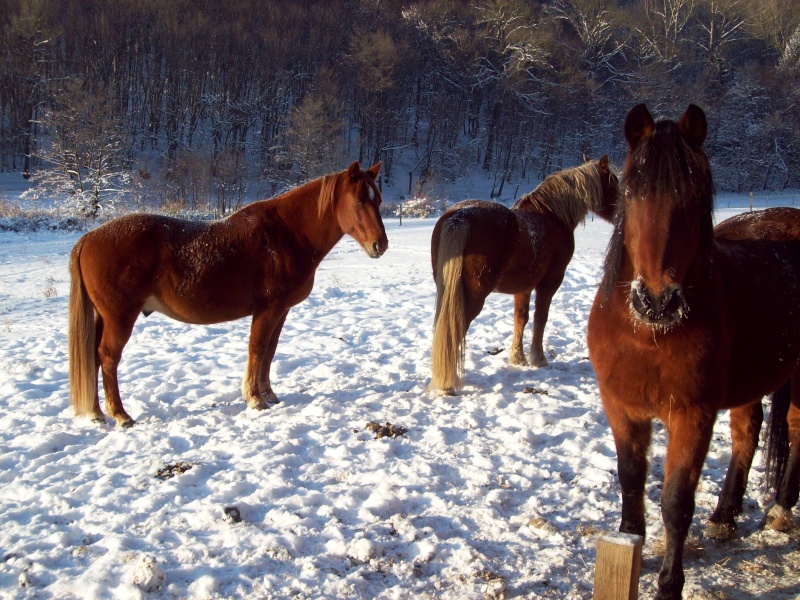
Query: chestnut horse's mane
(327, 187)
(567, 194)
(665, 168)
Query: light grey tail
(449, 330)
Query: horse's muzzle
(663, 310)
(376, 248)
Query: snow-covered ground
(499, 492)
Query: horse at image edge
(691, 319)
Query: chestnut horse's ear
(638, 125)
(602, 164)
(354, 171)
(375, 169)
(693, 125)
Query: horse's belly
(195, 315)
(758, 369)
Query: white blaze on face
(371, 192)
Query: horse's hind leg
(115, 334)
(544, 296)
(97, 413)
(522, 302)
(745, 427)
(780, 516)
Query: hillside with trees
(197, 101)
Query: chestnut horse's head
(609, 184)
(357, 208)
(663, 224)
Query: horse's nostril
(640, 300)
(376, 247)
(673, 300)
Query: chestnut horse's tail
(777, 440)
(82, 343)
(449, 330)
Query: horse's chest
(652, 374)
(298, 292)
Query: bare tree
(83, 163)
(314, 136)
(662, 25)
(722, 23)
(601, 50)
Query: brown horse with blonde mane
(480, 247)
(260, 261)
(690, 320)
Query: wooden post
(751, 201)
(619, 562)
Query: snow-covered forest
(192, 102)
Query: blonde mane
(568, 194)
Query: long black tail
(778, 437)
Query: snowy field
(500, 492)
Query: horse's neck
(299, 209)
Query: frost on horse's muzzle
(660, 311)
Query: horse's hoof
(668, 595)
(721, 532)
(539, 362)
(445, 392)
(258, 404)
(98, 418)
(517, 359)
(264, 401)
(780, 519)
(126, 423)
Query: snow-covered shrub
(419, 207)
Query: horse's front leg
(264, 333)
(632, 440)
(522, 302)
(745, 426)
(689, 438)
(544, 296)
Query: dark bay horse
(690, 320)
(480, 247)
(259, 261)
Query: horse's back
(123, 255)
(489, 229)
(196, 272)
(771, 224)
(759, 262)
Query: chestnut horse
(690, 320)
(259, 261)
(480, 247)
